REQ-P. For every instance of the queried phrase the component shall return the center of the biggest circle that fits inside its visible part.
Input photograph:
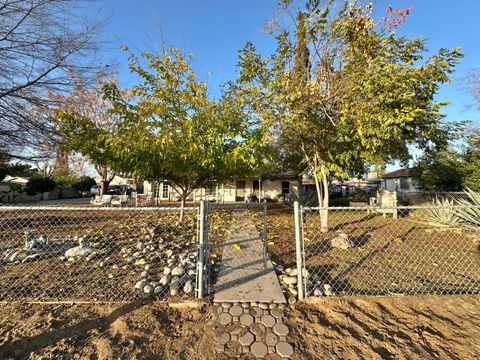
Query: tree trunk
(104, 187)
(106, 179)
(182, 206)
(325, 203)
(323, 196)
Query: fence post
(265, 238)
(201, 250)
(298, 248)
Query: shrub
(84, 183)
(359, 196)
(39, 184)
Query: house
(124, 180)
(398, 180)
(230, 191)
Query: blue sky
(214, 30)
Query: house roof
(22, 180)
(400, 173)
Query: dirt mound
(332, 328)
(119, 331)
(388, 328)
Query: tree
(14, 169)
(80, 183)
(364, 97)
(171, 130)
(41, 42)
(84, 183)
(438, 171)
(39, 184)
(84, 119)
(470, 165)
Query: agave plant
(470, 212)
(443, 214)
(464, 213)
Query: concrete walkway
(243, 276)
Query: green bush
(66, 180)
(359, 196)
(39, 184)
(84, 183)
(80, 183)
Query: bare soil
(388, 328)
(332, 328)
(404, 256)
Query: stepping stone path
(253, 328)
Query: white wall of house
(272, 189)
(399, 184)
(227, 192)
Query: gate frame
(203, 286)
(298, 218)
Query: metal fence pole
(298, 248)
(201, 250)
(265, 251)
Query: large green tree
(171, 129)
(345, 90)
(438, 171)
(470, 166)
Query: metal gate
(216, 225)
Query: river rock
(169, 253)
(167, 270)
(178, 271)
(317, 292)
(148, 290)
(290, 280)
(158, 290)
(80, 250)
(341, 241)
(188, 287)
(140, 284)
(279, 268)
(164, 280)
(174, 286)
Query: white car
(95, 190)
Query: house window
(165, 191)
(285, 187)
(404, 184)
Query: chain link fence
(50, 253)
(380, 251)
(235, 236)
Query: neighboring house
(6, 195)
(230, 191)
(124, 180)
(398, 180)
(345, 187)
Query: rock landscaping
(109, 259)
